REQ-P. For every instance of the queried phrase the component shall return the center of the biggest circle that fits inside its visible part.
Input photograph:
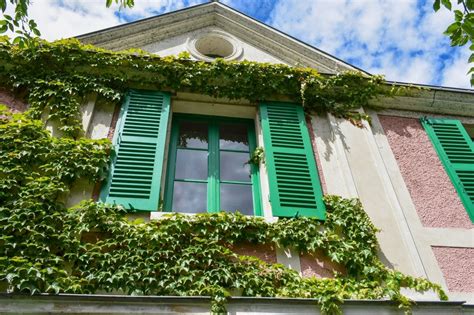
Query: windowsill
(156, 215)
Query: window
(208, 169)
(207, 165)
(212, 44)
(455, 148)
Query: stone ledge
(125, 304)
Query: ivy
(46, 247)
(57, 76)
(257, 157)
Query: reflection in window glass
(191, 164)
(233, 137)
(237, 197)
(234, 166)
(190, 197)
(193, 134)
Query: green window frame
(213, 180)
(455, 149)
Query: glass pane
(191, 164)
(190, 197)
(237, 197)
(234, 167)
(193, 134)
(233, 137)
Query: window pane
(190, 197)
(191, 164)
(234, 167)
(233, 137)
(193, 134)
(237, 197)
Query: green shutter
(139, 142)
(294, 182)
(456, 152)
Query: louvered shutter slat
(139, 141)
(295, 189)
(456, 151)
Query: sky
(401, 39)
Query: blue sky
(401, 39)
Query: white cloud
(66, 18)
(61, 19)
(399, 38)
(455, 73)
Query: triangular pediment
(186, 42)
(172, 33)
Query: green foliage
(258, 156)
(58, 75)
(25, 29)
(45, 247)
(461, 31)
(122, 3)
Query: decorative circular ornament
(214, 44)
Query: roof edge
(143, 20)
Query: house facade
(412, 166)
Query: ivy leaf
(454, 27)
(458, 15)
(469, 4)
(446, 4)
(468, 28)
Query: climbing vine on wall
(58, 75)
(45, 247)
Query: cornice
(431, 101)
(127, 34)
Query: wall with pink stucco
(14, 104)
(457, 265)
(113, 123)
(319, 265)
(436, 201)
(266, 253)
(318, 162)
